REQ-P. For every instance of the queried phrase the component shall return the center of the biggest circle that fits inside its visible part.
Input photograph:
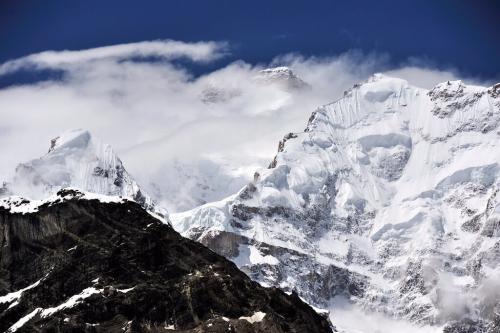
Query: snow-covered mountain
(388, 200)
(77, 159)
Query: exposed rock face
(389, 198)
(77, 265)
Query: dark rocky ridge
(178, 285)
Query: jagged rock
(83, 265)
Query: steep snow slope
(76, 159)
(387, 199)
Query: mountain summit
(77, 159)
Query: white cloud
(350, 318)
(153, 113)
(163, 49)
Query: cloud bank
(179, 131)
(166, 50)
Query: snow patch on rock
(255, 318)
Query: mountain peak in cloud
(283, 78)
(282, 75)
(78, 159)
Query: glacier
(388, 201)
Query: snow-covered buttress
(389, 199)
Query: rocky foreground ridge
(77, 263)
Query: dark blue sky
(462, 34)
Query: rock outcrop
(74, 264)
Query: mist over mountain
(221, 125)
(157, 186)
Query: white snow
(20, 323)
(255, 318)
(16, 295)
(43, 313)
(250, 255)
(70, 302)
(125, 290)
(16, 204)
